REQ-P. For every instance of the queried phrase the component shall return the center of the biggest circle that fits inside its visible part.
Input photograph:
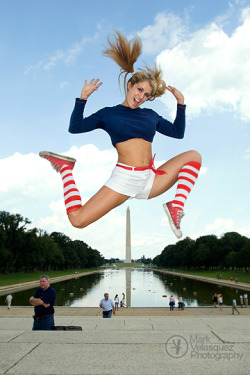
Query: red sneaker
(57, 161)
(174, 215)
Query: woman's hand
(89, 88)
(177, 94)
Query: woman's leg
(173, 167)
(183, 168)
(97, 206)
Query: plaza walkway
(143, 341)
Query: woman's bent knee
(195, 156)
(77, 220)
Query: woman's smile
(137, 94)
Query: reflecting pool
(142, 287)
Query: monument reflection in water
(143, 288)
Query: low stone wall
(232, 284)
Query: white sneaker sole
(176, 231)
(61, 157)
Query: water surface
(143, 288)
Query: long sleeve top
(123, 123)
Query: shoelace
(179, 215)
(53, 165)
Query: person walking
(234, 307)
(132, 130)
(8, 300)
(107, 306)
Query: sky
(49, 48)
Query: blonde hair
(125, 53)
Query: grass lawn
(17, 278)
(121, 265)
(243, 277)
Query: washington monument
(128, 237)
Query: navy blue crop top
(123, 123)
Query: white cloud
(65, 56)
(220, 225)
(244, 231)
(33, 189)
(107, 235)
(141, 242)
(203, 171)
(212, 69)
(247, 154)
(166, 32)
(35, 67)
(29, 176)
(63, 84)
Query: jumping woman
(131, 129)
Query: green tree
(69, 252)
(13, 227)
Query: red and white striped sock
(186, 180)
(72, 196)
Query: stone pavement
(184, 343)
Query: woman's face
(137, 94)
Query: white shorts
(135, 184)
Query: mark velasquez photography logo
(200, 347)
(176, 346)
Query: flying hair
(125, 53)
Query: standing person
(171, 303)
(220, 300)
(215, 299)
(241, 301)
(180, 303)
(43, 302)
(116, 299)
(234, 307)
(107, 306)
(236, 279)
(123, 300)
(246, 299)
(132, 130)
(8, 300)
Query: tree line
(231, 251)
(28, 250)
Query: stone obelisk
(128, 237)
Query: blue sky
(49, 48)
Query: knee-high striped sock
(72, 196)
(186, 180)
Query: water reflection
(128, 286)
(143, 288)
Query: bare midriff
(135, 152)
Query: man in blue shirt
(43, 302)
(234, 307)
(107, 306)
